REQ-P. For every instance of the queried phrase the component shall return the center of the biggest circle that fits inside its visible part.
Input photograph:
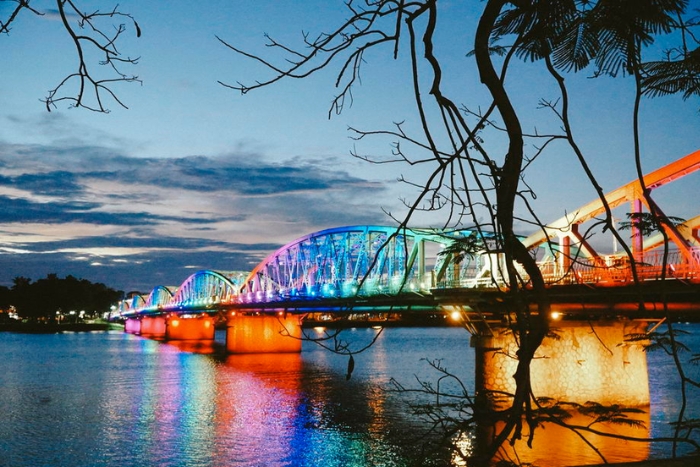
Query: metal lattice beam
(204, 288)
(348, 261)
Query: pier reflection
(257, 408)
(557, 446)
(203, 347)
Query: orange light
(175, 323)
(455, 315)
(207, 324)
(233, 313)
(556, 316)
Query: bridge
(383, 271)
(375, 265)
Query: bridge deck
(584, 301)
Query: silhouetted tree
(23, 299)
(478, 185)
(94, 34)
(5, 299)
(43, 298)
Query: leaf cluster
(647, 223)
(463, 247)
(610, 35)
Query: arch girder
(203, 288)
(137, 302)
(344, 261)
(631, 192)
(159, 297)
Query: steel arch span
(136, 302)
(575, 260)
(349, 261)
(204, 288)
(159, 297)
(133, 304)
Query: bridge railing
(393, 285)
(609, 270)
(617, 269)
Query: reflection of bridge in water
(371, 270)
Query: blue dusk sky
(194, 175)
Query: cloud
(25, 210)
(247, 174)
(95, 212)
(62, 133)
(58, 183)
(141, 272)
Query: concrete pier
(586, 362)
(197, 328)
(265, 333)
(132, 326)
(153, 327)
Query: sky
(194, 175)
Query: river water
(114, 399)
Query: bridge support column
(263, 333)
(132, 326)
(565, 254)
(637, 237)
(586, 363)
(200, 328)
(153, 327)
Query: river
(114, 399)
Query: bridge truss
(575, 260)
(354, 261)
(365, 261)
(201, 291)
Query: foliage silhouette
(474, 185)
(43, 298)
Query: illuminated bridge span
(380, 261)
(574, 260)
(344, 262)
(352, 261)
(201, 290)
(331, 271)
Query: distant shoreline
(54, 328)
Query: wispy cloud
(135, 222)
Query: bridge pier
(153, 327)
(264, 333)
(588, 362)
(199, 328)
(132, 326)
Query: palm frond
(663, 78)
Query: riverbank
(54, 328)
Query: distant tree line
(43, 298)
